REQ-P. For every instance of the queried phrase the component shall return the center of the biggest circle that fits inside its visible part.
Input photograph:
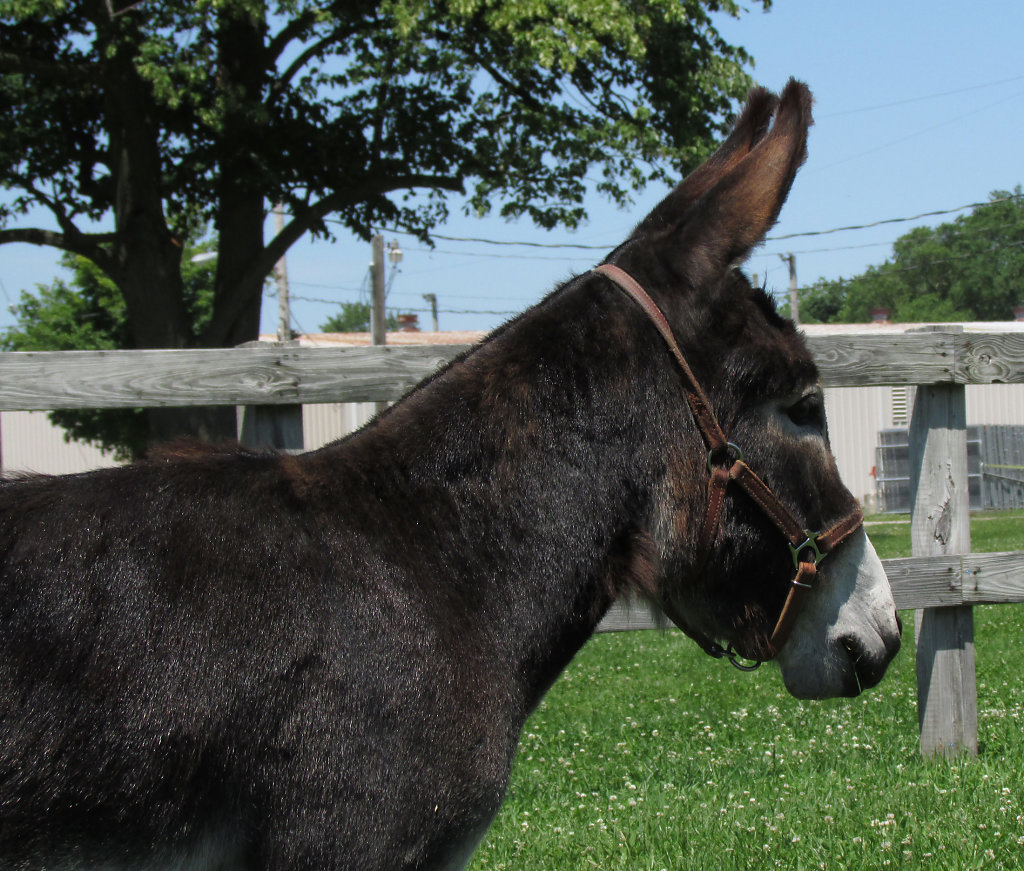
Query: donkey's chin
(849, 631)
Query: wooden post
(940, 526)
(378, 315)
(270, 426)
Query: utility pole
(794, 303)
(284, 313)
(378, 323)
(377, 313)
(432, 299)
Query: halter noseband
(726, 465)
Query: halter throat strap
(726, 466)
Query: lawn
(647, 754)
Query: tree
(970, 269)
(354, 317)
(123, 117)
(89, 313)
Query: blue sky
(919, 108)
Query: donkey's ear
(749, 129)
(734, 215)
(724, 208)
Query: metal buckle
(732, 452)
(810, 543)
(716, 650)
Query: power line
(805, 234)
(922, 98)
(447, 311)
(484, 241)
(892, 220)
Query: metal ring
(734, 658)
(732, 452)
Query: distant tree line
(969, 269)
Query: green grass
(646, 754)
(990, 531)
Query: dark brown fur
(325, 661)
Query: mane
(766, 303)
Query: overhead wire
(777, 238)
(921, 99)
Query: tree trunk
(240, 203)
(147, 256)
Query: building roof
(355, 340)
(472, 337)
(888, 328)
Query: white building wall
(30, 443)
(322, 424)
(855, 414)
(995, 404)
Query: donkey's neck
(513, 489)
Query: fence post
(940, 525)
(270, 426)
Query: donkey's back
(200, 667)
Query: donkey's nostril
(899, 624)
(868, 669)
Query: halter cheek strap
(726, 466)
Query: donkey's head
(734, 549)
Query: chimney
(880, 315)
(409, 323)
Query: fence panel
(946, 584)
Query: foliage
(88, 313)
(144, 111)
(354, 317)
(125, 121)
(971, 269)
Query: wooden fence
(941, 582)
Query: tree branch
(282, 81)
(521, 93)
(62, 74)
(294, 29)
(299, 225)
(88, 245)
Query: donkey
(216, 658)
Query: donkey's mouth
(867, 668)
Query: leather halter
(726, 465)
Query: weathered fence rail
(942, 581)
(283, 374)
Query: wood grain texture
(273, 375)
(264, 375)
(993, 578)
(863, 360)
(947, 701)
(989, 358)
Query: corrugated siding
(995, 404)
(325, 423)
(855, 414)
(30, 443)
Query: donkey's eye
(809, 410)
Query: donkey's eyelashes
(808, 411)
